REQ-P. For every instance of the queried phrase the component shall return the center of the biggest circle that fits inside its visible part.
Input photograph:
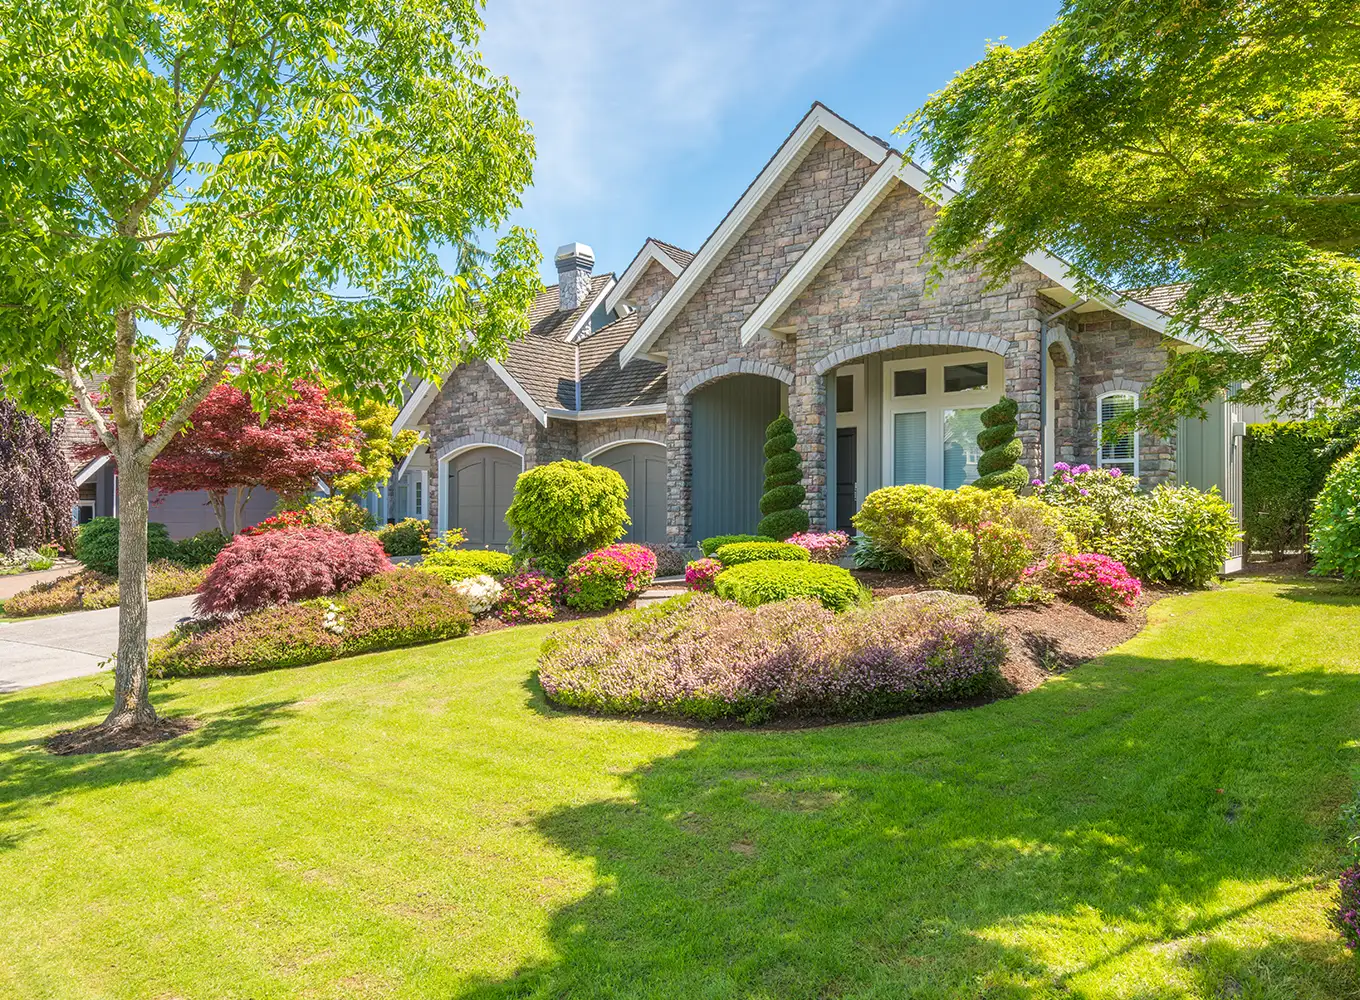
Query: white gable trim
(649, 252)
(413, 410)
(860, 207)
(574, 334)
(820, 120)
(86, 473)
(520, 393)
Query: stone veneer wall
(706, 333)
(655, 282)
(599, 433)
(1116, 353)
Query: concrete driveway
(73, 645)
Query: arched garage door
(643, 468)
(481, 483)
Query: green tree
(379, 449)
(782, 501)
(186, 182)
(1215, 145)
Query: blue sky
(652, 116)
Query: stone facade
(596, 434)
(655, 282)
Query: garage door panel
(482, 488)
(643, 468)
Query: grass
(1160, 823)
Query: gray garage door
(728, 446)
(643, 468)
(482, 483)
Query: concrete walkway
(17, 582)
(72, 645)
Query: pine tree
(998, 467)
(782, 502)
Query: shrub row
(386, 611)
(699, 657)
(90, 590)
(97, 546)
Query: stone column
(679, 469)
(807, 410)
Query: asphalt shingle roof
(604, 383)
(681, 256)
(542, 361)
(1165, 299)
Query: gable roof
(543, 361)
(606, 382)
(672, 258)
(819, 121)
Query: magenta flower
(1081, 470)
(1038, 484)
(1116, 472)
(1085, 493)
(1061, 467)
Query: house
(810, 297)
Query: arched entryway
(479, 483)
(727, 456)
(642, 464)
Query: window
(909, 448)
(420, 494)
(961, 451)
(845, 393)
(909, 382)
(957, 378)
(1121, 451)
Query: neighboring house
(810, 298)
(183, 514)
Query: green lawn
(1161, 823)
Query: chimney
(574, 264)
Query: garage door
(482, 483)
(643, 468)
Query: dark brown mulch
(890, 584)
(95, 739)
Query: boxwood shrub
(408, 537)
(387, 611)
(698, 657)
(97, 544)
(736, 553)
(712, 545)
(759, 583)
(486, 561)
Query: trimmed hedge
(97, 544)
(763, 582)
(387, 611)
(487, 561)
(697, 657)
(566, 508)
(712, 545)
(736, 553)
(1336, 520)
(1283, 469)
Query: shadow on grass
(32, 779)
(1337, 593)
(1029, 848)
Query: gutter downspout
(1044, 389)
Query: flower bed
(90, 590)
(702, 658)
(387, 611)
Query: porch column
(678, 469)
(829, 435)
(808, 411)
(873, 424)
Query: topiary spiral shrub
(711, 545)
(782, 500)
(97, 544)
(608, 576)
(736, 553)
(764, 582)
(698, 657)
(1335, 523)
(564, 509)
(998, 467)
(277, 567)
(386, 611)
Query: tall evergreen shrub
(999, 467)
(1284, 465)
(782, 502)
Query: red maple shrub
(256, 571)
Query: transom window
(932, 416)
(845, 394)
(1122, 450)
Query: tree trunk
(131, 699)
(219, 506)
(238, 514)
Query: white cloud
(618, 89)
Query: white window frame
(420, 494)
(934, 402)
(855, 417)
(1101, 461)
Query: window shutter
(1121, 448)
(909, 448)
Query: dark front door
(847, 476)
(482, 483)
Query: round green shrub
(756, 583)
(1183, 536)
(711, 545)
(567, 508)
(997, 468)
(97, 544)
(737, 553)
(1335, 538)
(483, 561)
(782, 500)
(201, 549)
(408, 537)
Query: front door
(847, 477)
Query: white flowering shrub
(334, 622)
(480, 592)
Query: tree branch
(86, 402)
(173, 424)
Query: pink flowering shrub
(1093, 580)
(822, 546)
(700, 574)
(1348, 908)
(699, 657)
(290, 564)
(525, 598)
(609, 576)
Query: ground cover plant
(1106, 836)
(697, 657)
(278, 567)
(90, 590)
(756, 583)
(386, 611)
(608, 576)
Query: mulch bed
(94, 739)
